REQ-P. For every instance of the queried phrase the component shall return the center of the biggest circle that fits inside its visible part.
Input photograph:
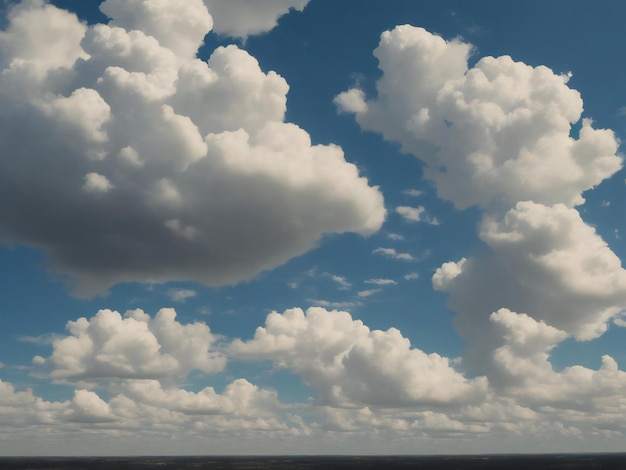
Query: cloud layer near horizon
(129, 160)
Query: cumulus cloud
(544, 261)
(348, 364)
(242, 18)
(524, 370)
(150, 165)
(134, 345)
(496, 133)
(503, 136)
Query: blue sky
(299, 226)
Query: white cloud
(411, 276)
(349, 364)
(392, 253)
(183, 193)
(135, 345)
(416, 214)
(413, 192)
(381, 282)
(340, 280)
(368, 292)
(496, 133)
(395, 236)
(545, 262)
(180, 27)
(411, 214)
(242, 18)
(524, 371)
(180, 295)
(96, 183)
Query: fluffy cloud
(416, 214)
(150, 165)
(135, 345)
(524, 372)
(349, 364)
(543, 261)
(242, 18)
(494, 134)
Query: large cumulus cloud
(349, 364)
(507, 137)
(496, 133)
(127, 159)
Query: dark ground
(491, 462)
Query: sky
(312, 227)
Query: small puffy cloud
(351, 101)
(393, 254)
(96, 183)
(242, 18)
(493, 134)
(348, 364)
(190, 171)
(446, 273)
(180, 295)
(134, 345)
(411, 214)
(411, 276)
(381, 282)
(416, 214)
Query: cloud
(241, 18)
(411, 276)
(135, 406)
(112, 346)
(544, 261)
(392, 253)
(340, 280)
(493, 134)
(381, 282)
(416, 214)
(349, 364)
(524, 370)
(413, 192)
(368, 292)
(150, 165)
(180, 295)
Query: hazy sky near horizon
(311, 226)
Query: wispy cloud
(340, 280)
(180, 295)
(41, 339)
(413, 192)
(381, 282)
(368, 292)
(392, 253)
(335, 305)
(411, 276)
